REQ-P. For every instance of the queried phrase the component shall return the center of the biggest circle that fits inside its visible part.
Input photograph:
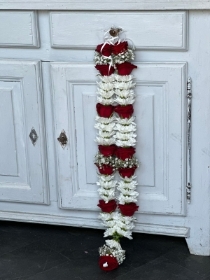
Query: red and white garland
(116, 140)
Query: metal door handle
(63, 138)
(33, 136)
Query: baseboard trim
(90, 223)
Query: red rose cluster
(108, 50)
(111, 262)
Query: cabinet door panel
(22, 163)
(160, 117)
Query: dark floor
(41, 252)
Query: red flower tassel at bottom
(108, 263)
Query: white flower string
(116, 139)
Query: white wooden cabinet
(161, 135)
(23, 173)
(47, 86)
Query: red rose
(125, 68)
(104, 111)
(127, 172)
(105, 169)
(105, 69)
(108, 263)
(124, 153)
(124, 111)
(107, 207)
(107, 150)
(104, 49)
(128, 209)
(119, 48)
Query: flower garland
(116, 141)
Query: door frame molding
(98, 5)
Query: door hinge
(189, 104)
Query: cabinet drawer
(150, 30)
(18, 29)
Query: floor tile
(28, 260)
(80, 271)
(39, 252)
(14, 236)
(160, 269)
(198, 264)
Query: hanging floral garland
(116, 141)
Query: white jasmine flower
(123, 185)
(107, 184)
(105, 120)
(127, 198)
(129, 192)
(111, 231)
(126, 121)
(107, 79)
(124, 101)
(105, 127)
(106, 178)
(106, 195)
(105, 134)
(126, 143)
(105, 94)
(105, 216)
(130, 179)
(126, 78)
(106, 192)
(106, 86)
(125, 128)
(128, 234)
(124, 93)
(124, 85)
(125, 136)
(105, 141)
(105, 101)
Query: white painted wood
(19, 29)
(196, 225)
(198, 217)
(151, 30)
(81, 222)
(160, 90)
(105, 5)
(23, 173)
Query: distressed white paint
(105, 5)
(160, 89)
(196, 225)
(22, 165)
(19, 29)
(81, 222)
(157, 30)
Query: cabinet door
(22, 161)
(160, 117)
